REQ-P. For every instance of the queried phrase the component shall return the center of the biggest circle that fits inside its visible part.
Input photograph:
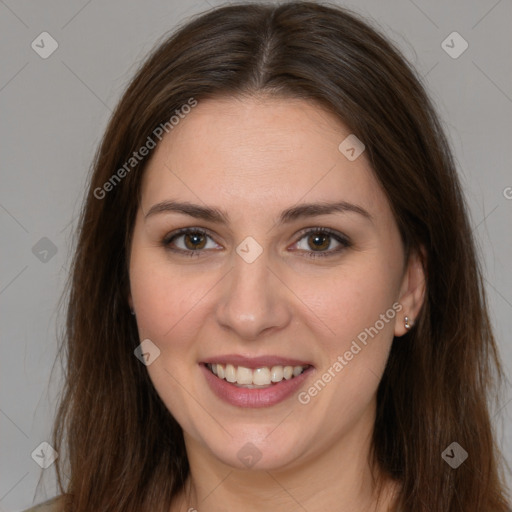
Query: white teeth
(277, 373)
(264, 376)
(261, 376)
(230, 373)
(244, 375)
(297, 370)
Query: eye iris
(316, 237)
(195, 237)
(196, 240)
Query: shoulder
(53, 505)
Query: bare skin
(254, 158)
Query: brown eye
(194, 240)
(187, 241)
(319, 240)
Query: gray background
(54, 111)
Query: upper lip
(255, 362)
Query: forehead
(258, 153)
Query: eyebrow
(219, 216)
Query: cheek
(164, 299)
(358, 310)
(167, 308)
(352, 299)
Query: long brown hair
(119, 445)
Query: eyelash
(345, 243)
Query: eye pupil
(195, 240)
(316, 237)
(195, 237)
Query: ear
(412, 290)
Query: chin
(256, 451)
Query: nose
(253, 299)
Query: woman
(275, 301)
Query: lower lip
(262, 397)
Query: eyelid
(338, 236)
(341, 238)
(184, 231)
(320, 229)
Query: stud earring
(132, 311)
(407, 324)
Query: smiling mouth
(263, 377)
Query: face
(267, 284)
